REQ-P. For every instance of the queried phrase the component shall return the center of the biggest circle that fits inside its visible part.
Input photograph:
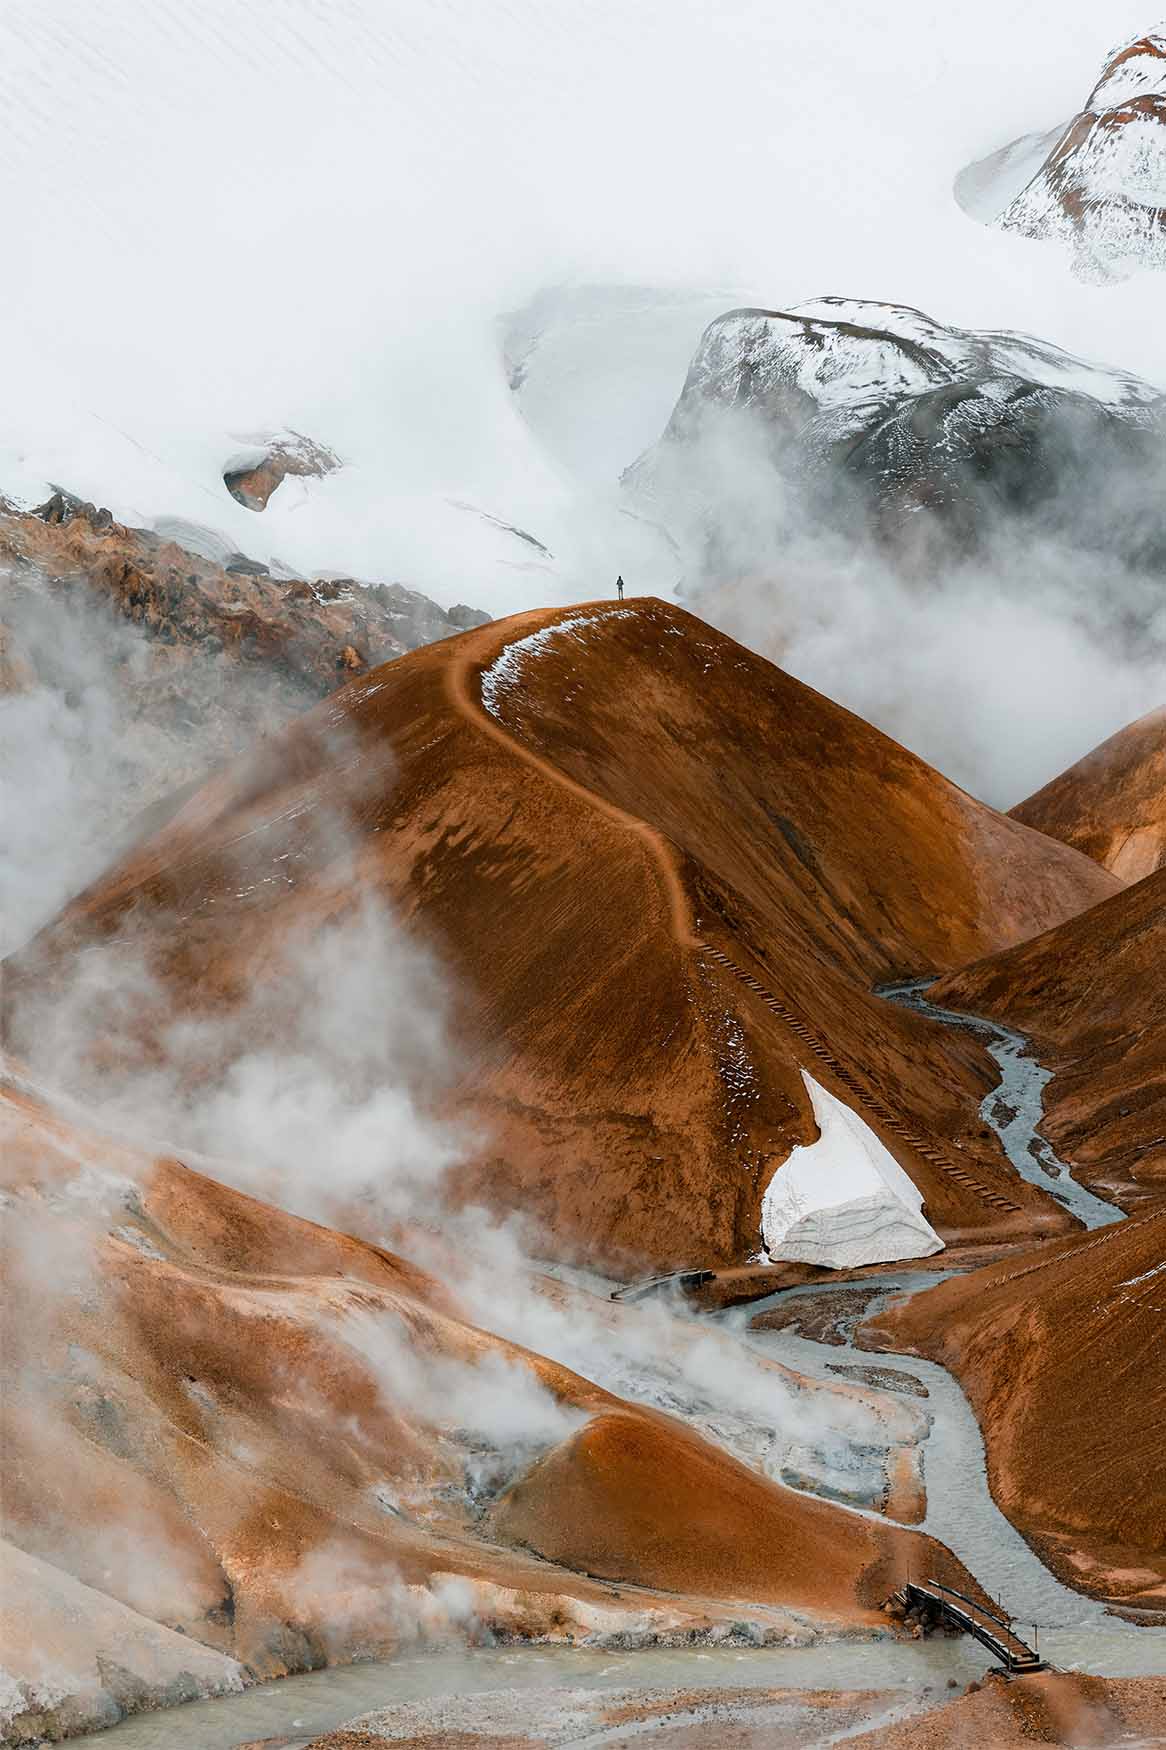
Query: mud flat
(320, 1701)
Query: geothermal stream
(960, 1510)
(1015, 1106)
(1074, 1630)
(291, 1710)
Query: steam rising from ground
(999, 650)
(321, 1087)
(74, 772)
(98, 734)
(316, 1086)
(657, 1353)
(317, 1090)
(1000, 672)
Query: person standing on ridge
(619, 587)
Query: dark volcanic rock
(873, 421)
(239, 565)
(464, 617)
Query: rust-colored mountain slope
(663, 876)
(1112, 803)
(280, 1442)
(1090, 993)
(1061, 1357)
(629, 1498)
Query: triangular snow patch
(843, 1200)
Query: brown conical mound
(1061, 1357)
(664, 876)
(1090, 993)
(1112, 803)
(630, 1497)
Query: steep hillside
(1112, 803)
(133, 664)
(1090, 993)
(1061, 1357)
(663, 878)
(228, 1429)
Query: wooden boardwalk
(685, 1279)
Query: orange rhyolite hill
(1061, 1357)
(1112, 803)
(662, 875)
(1090, 994)
(227, 1424)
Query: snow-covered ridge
(859, 416)
(501, 683)
(1098, 183)
(853, 353)
(1132, 70)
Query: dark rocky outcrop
(873, 421)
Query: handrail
(1014, 1654)
(939, 1586)
(655, 1284)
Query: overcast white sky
(230, 216)
(252, 156)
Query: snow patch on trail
(505, 674)
(844, 1200)
(1146, 1276)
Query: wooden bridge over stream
(930, 1598)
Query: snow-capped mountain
(436, 170)
(467, 251)
(1098, 183)
(875, 413)
(851, 354)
